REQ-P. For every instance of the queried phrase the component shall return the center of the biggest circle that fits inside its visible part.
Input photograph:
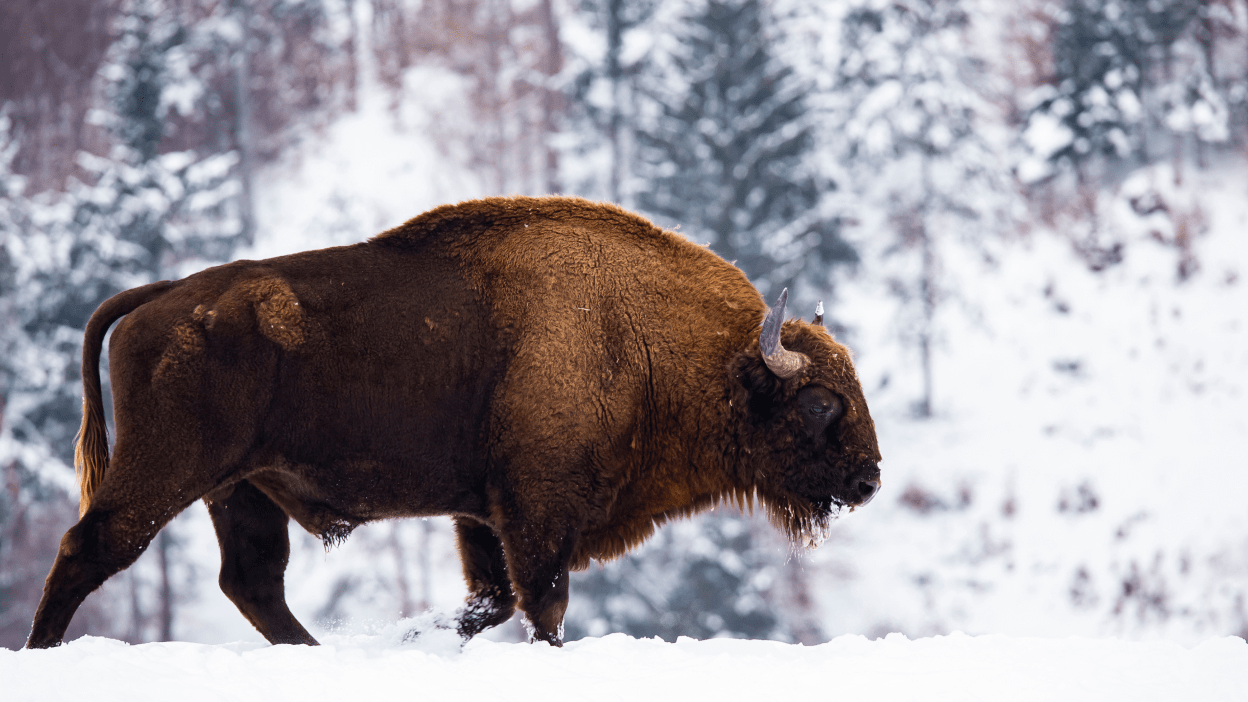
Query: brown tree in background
(511, 59)
(49, 55)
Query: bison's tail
(91, 451)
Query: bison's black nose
(867, 490)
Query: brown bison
(559, 376)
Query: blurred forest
(809, 141)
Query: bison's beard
(806, 524)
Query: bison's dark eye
(818, 407)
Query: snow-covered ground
(617, 667)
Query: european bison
(559, 376)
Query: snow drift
(955, 667)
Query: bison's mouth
(817, 529)
(809, 522)
(806, 523)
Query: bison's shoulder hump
(466, 222)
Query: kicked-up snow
(618, 667)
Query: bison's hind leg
(90, 553)
(125, 513)
(490, 600)
(255, 548)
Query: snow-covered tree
(602, 96)
(1094, 105)
(724, 148)
(1128, 78)
(141, 215)
(916, 140)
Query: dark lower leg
(540, 580)
(90, 553)
(544, 600)
(255, 549)
(490, 600)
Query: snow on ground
(617, 667)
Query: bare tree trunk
(1167, 64)
(552, 102)
(426, 564)
(165, 619)
(1206, 36)
(927, 295)
(242, 124)
(351, 48)
(615, 75)
(400, 569)
(136, 611)
(495, 30)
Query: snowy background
(1028, 221)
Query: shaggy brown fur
(559, 376)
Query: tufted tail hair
(91, 451)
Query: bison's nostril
(867, 490)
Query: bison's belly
(338, 495)
(375, 439)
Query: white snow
(618, 667)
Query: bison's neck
(688, 454)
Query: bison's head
(809, 442)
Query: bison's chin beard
(806, 524)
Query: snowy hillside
(1086, 468)
(618, 667)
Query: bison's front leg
(490, 599)
(538, 560)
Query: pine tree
(144, 216)
(724, 148)
(603, 93)
(918, 146)
(1094, 107)
(1184, 100)
(724, 153)
(1118, 82)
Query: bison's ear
(756, 386)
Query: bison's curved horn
(784, 363)
(818, 320)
